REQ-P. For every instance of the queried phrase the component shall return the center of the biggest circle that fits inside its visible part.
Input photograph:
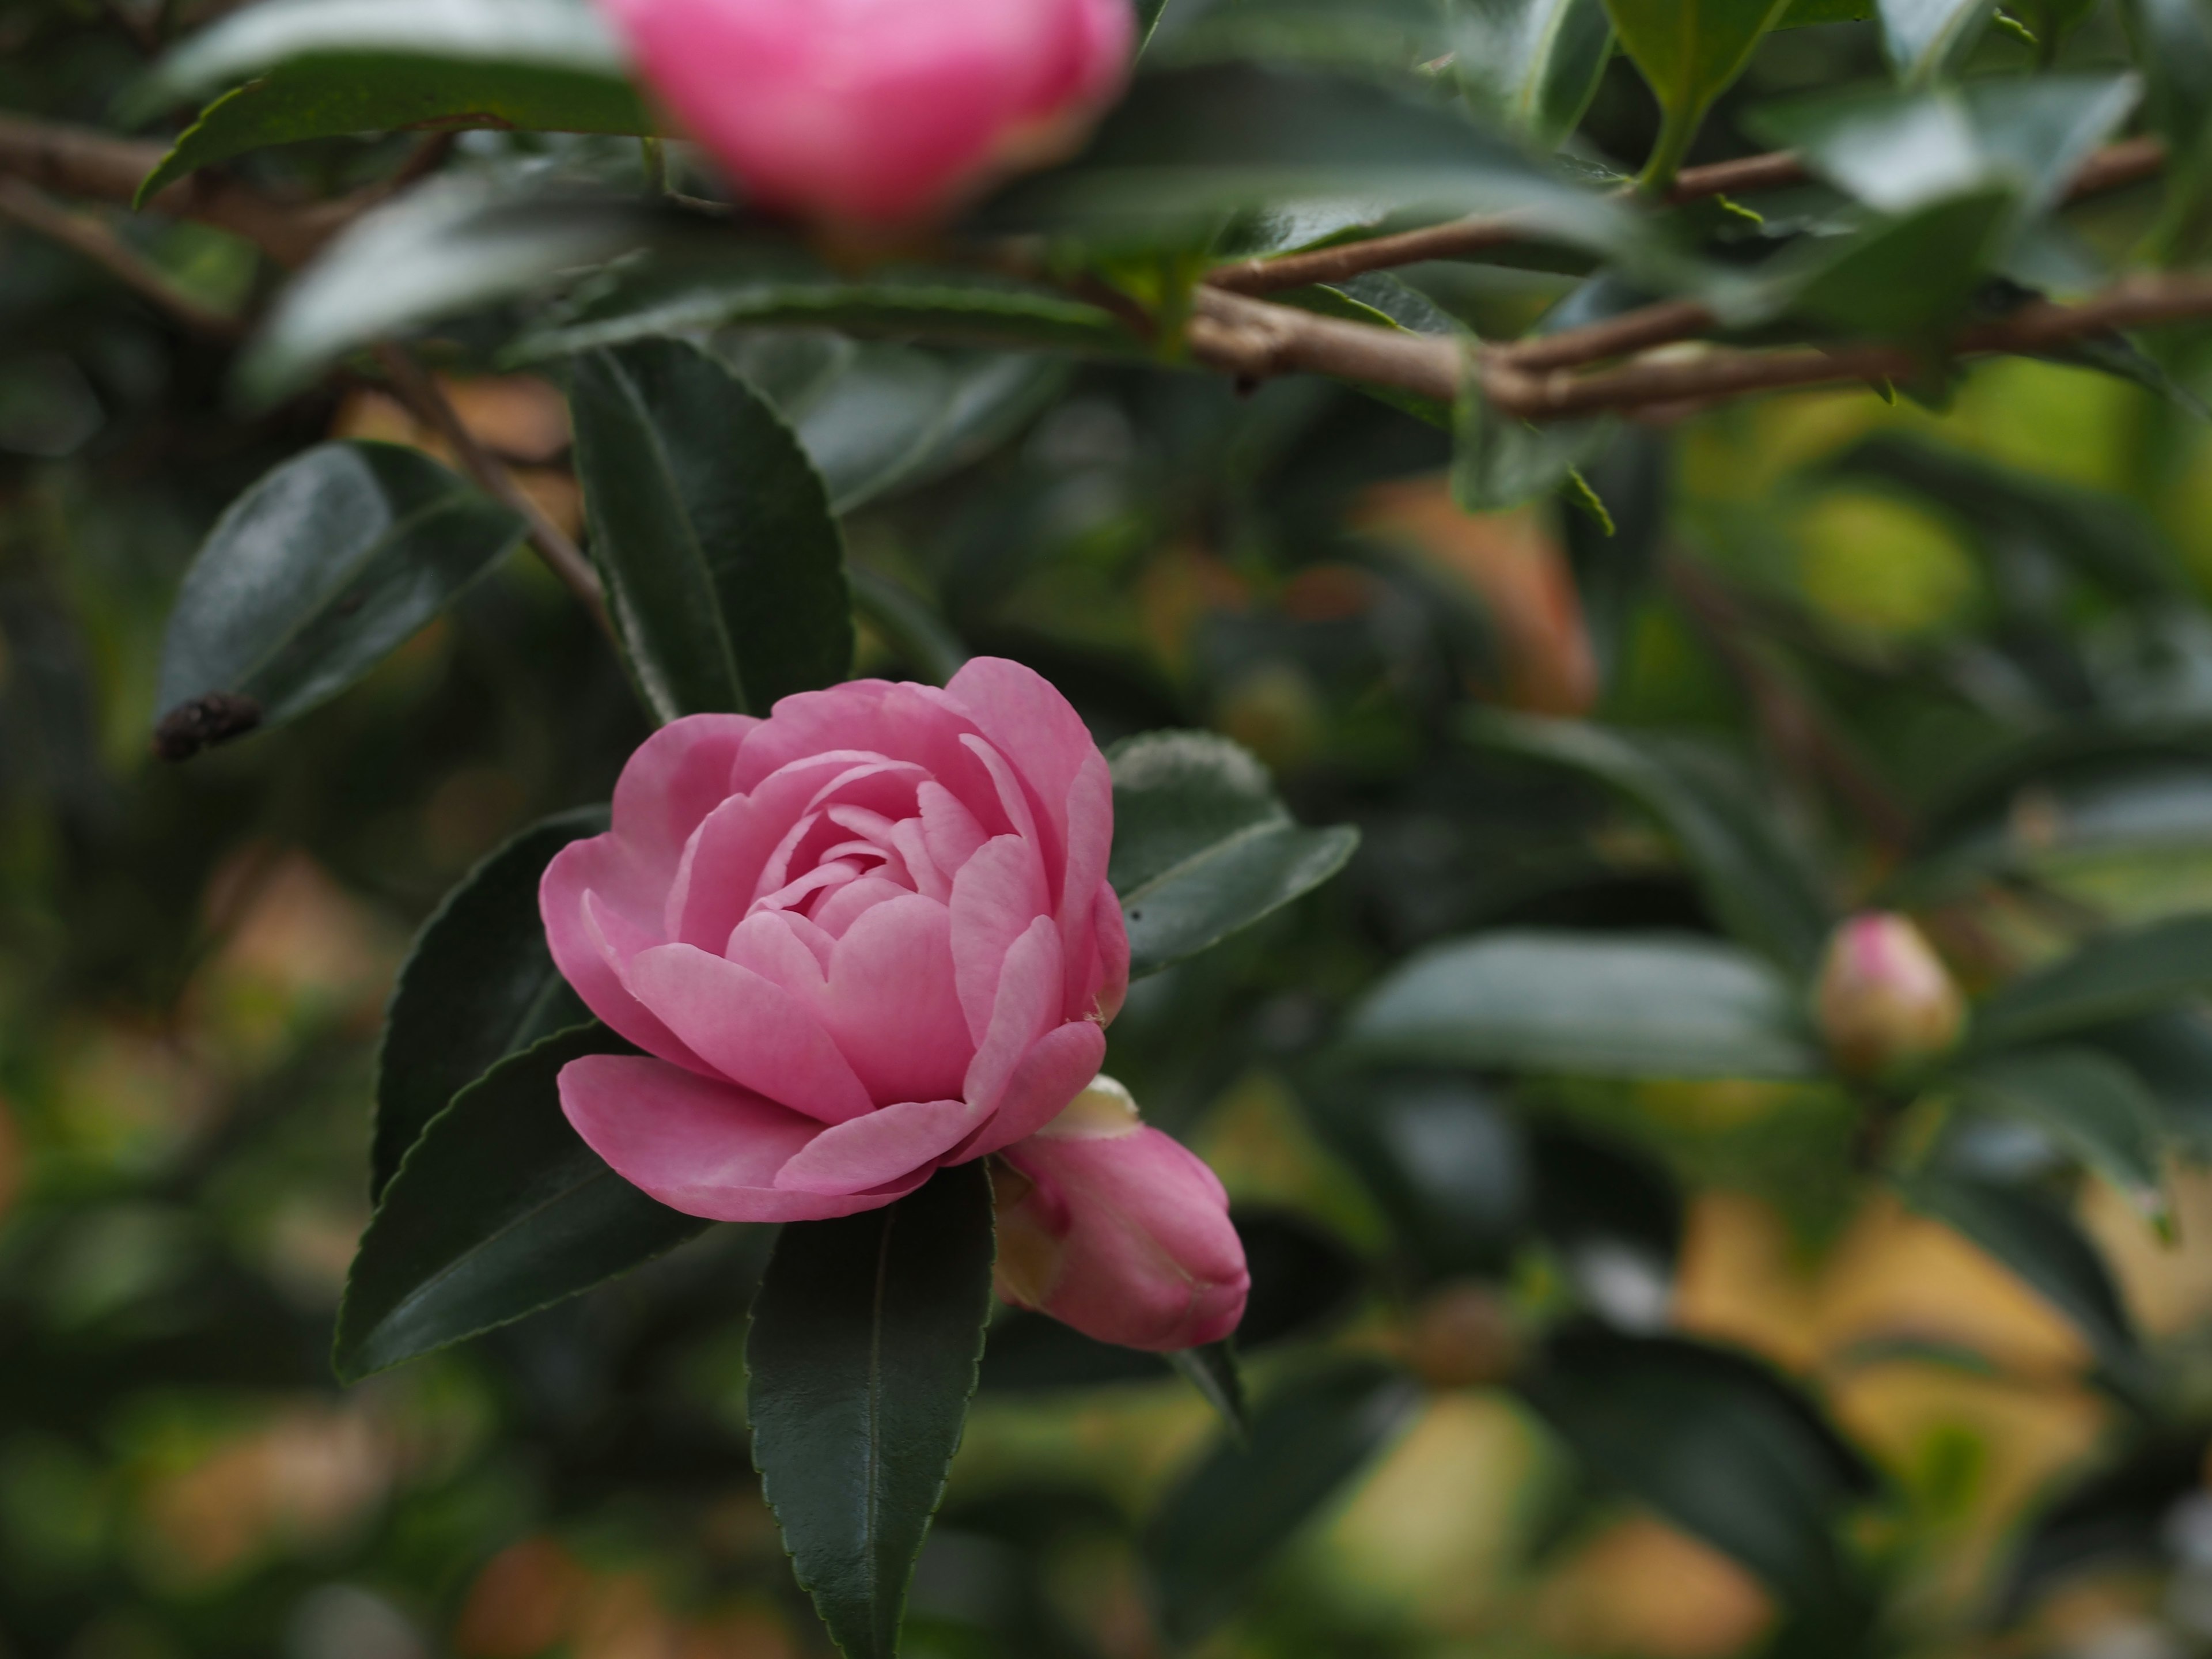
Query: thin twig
(421, 394)
(33, 210)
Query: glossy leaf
(1716, 1442)
(1189, 146)
(1690, 53)
(1221, 1527)
(2172, 42)
(1202, 846)
(2111, 976)
(1926, 38)
(319, 571)
(1909, 278)
(313, 68)
(1500, 462)
(2035, 1239)
(1588, 1004)
(725, 571)
(479, 985)
(498, 1209)
(1536, 63)
(2090, 1103)
(1213, 1371)
(445, 247)
(1756, 882)
(2170, 1053)
(862, 1357)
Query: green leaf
(2035, 1239)
(1928, 38)
(860, 1364)
(1586, 1004)
(1213, 1371)
(1717, 1443)
(2111, 976)
(321, 68)
(479, 985)
(498, 1209)
(1757, 885)
(879, 418)
(1910, 279)
(725, 571)
(1536, 63)
(1499, 461)
(2172, 43)
(1202, 846)
(1689, 51)
(317, 574)
(1190, 147)
(2091, 1104)
(444, 248)
(906, 622)
(2170, 1053)
(1220, 1527)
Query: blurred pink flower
(865, 937)
(876, 112)
(1885, 1000)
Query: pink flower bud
(1118, 1230)
(1885, 1002)
(876, 112)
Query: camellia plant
(908, 967)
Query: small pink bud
(879, 111)
(1118, 1230)
(1885, 1000)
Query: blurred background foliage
(1863, 606)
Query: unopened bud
(1885, 1002)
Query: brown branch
(33, 210)
(1255, 341)
(2110, 168)
(416, 389)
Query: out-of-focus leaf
(1908, 278)
(1499, 461)
(479, 985)
(1586, 1004)
(862, 1357)
(2037, 1240)
(1927, 39)
(1718, 1444)
(2090, 1103)
(2111, 976)
(1213, 1371)
(318, 572)
(2170, 1053)
(446, 246)
(1188, 147)
(320, 70)
(2172, 42)
(1384, 34)
(878, 419)
(1536, 63)
(725, 571)
(498, 1209)
(908, 623)
(1757, 884)
(1615, 1218)
(1613, 572)
(1202, 846)
(1690, 54)
(1222, 1526)
(2120, 1516)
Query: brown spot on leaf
(216, 718)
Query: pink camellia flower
(865, 937)
(872, 112)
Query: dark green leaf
(1536, 63)
(1222, 1526)
(2172, 42)
(1909, 278)
(442, 248)
(1188, 147)
(1927, 39)
(1588, 1004)
(1717, 1443)
(2091, 1104)
(320, 70)
(2171, 1052)
(1500, 461)
(479, 985)
(906, 622)
(1612, 570)
(1381, 34)
(1202, 846)
(1690, 53)
(498, 1209)
(860, 1364)
(1213, 1370)
(724, 569)
(1756, 882)
(2037, 1240)
(322, 570)
(2111, 976)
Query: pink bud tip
(1885, 1000)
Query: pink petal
(855, 899)
(723, 859)
(673, 780)
(1090, 820)
(886, 1146)
(949, 829)
(1058, 1066)
(996, 896)
(1028, 721)
(890, 1004)
(1126, 1237)
(1110, 937)
(1027, 1005)
(751, 1031)
(702, 1147)
(779, 945)
(593, 944)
